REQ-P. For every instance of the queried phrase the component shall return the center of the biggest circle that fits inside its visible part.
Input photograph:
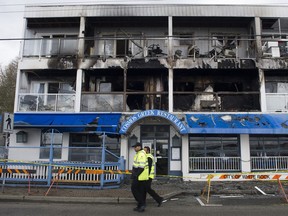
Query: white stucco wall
(25, 151)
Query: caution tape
(19, 171)
(90, 171)
(250, 176)
(61, 169)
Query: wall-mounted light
(133, 140)
(21, 137)
(176, 141)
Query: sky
(11, 17)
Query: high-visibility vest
(152, 171)
(140, 161)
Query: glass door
(157, 138)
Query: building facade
(205, 86)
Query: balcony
(138, 46)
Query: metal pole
(50, 159)
(103, 161)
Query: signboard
(7, 122)
(156, 113)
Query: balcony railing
(213, 47)
(269, 163)
(216, 101)
(277, 102)
(135, 101)
(114, 101)
(183, 47)
(214, 164)
(46, 102)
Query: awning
(237, 123)
(69, 122)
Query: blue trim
(237, 123)
(69, 122)
(156, 113)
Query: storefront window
(88, 147)
(214, 146)
(268, 145)
(48, 137)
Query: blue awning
(237, 123)
(72, 122)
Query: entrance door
(157, 138)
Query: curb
(61, 199)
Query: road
(182, 205)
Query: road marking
(203, 204)
(260, 190)
(232, 196)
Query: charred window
(147, 89)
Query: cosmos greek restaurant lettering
(157, 113)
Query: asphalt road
(182, 205)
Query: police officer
(139, 177)
(151, 165)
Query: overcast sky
(11, 17)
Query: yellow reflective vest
(140, 161)
(152, 168)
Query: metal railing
(276, 163)
(233, 164)
(45, 173)
(65, 173)
(214, 164)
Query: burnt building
(205, 86)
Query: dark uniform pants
(138, 189)
(151, 192)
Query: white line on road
(202, 204)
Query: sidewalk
(165, 188)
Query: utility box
(273, 48)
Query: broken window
(103, 91)
(224, 45)
(210, 90)
(147, 89)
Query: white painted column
(262, 98)
(170, 56)
(124, 150)
(258, 37)
(185, 155)
(170, 90)
(78, 90)
(245, 153)
(16, 99)
(81, 35)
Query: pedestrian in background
(151, 168)
(139, 177)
